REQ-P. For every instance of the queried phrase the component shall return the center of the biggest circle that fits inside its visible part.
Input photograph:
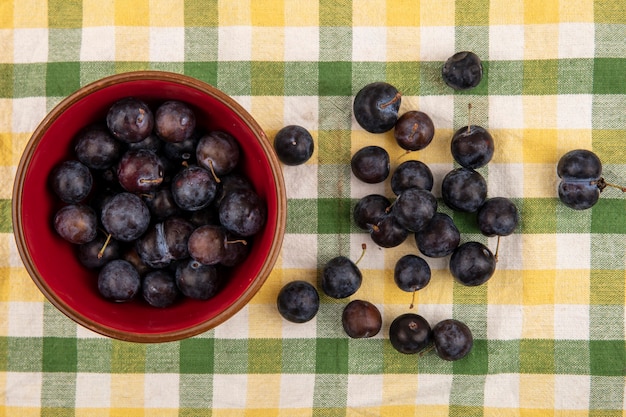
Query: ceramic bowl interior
(52, 262)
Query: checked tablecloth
(549, 326)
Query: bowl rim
(205, 88)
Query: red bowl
(52, 262)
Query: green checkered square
(7, 77)
(366, 356)
(335, 78)
(56, 412)
(405, 76)
(606, 322)
(128, 358)
(607, 286)
(477, 115)
(609, 40)
(6, 225)
(608, 12)
(474, 36)
(56, 323)
(607, 357)
(234, 78)
(59, 354)
(608, 76)
(572, 221)
(299, 355)
(540, 77)
(178, 67)
(431, 83)
(608, 145)
(201, 43)
(335, 13)
(575, 76)
(606, 215)
(335, 44)
(465, 411)
(17, 361)
(201, 13)
(94, 355)
(333, 182)
(506, 78)
(539, 215)
(264, 356)
(333, 148)
(334, 215)
(62, 78)
(335, 116)
(606, 397)
(364, 73)
(301, 78)
(467, 391)
(395, 362)
(195, 394)
(607, 111)
(504, 356)
(471, 13)
(332, 356)
(4, 353)
(302, 216)
(571, 357)
(231, 356)
(537, 356)
(196, 356)
(163, 358)
(329, 397)
(476, 362)
(30, 80)
(268, 78)
(64, 45)
(57, 391)
(607, 251)
(195, 412)
(204, 71)
(128, 66)
(65, 13)
(93, 71)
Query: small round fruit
(119, 281)
(125, 216)
(369, 210)
(439, 238)
(472, 263)
(411, 174)
(174, 121)
(361, 319)
(196, 280)
(298, 301)
(498, 216)
(472, 146)
(410, 333)
(159, 288)
(76, 223)
(411, 273)
(376, 107)
(464, 189)
(414, 130)
(71, 181)
(371, 164)
(581, 182)
(293, 145)
(341, 277)
(130, 120)
(453, 339)
(462, 70)
(414, 208)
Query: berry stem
(469, 119)
(106, 243)
(495, 255)
(363, 247)
(393, 100)
(217, 180)
(412, 299)
(602, 184)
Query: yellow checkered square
(538, 286)
(539, 189)
(127, 393)
(6, 14)
(506, 288)
(506, 13)
(538, 322)
(6, 40)
(132, 12)
(369, 13)
(541, 11)
(98, 13)
(167, 13)
(403, 43)
(539, 146)
(576, 11)
(509, 145)
(541, 41)
(271, 383)
(403, 13)
(572, 286)
(234, 13)
(293, 9)
(268, 44)
(536, 392)
(437, 12)
(267, 13)
(132, 43)
(268, 111)
(30, 14)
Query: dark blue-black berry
(298, 301)
(453, 340)
(293, 145)
(340, 277)
(376, 107)
(472, 263)
(462, 70)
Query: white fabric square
(307, 330)
(235, 43)
(93, 390)
(574, 111)
(98, 44)
(229, 391)
(374, 257)
(440, 109)
(294, 114)
(506, 43)
(437, 43)
(300, 180)
(571, 322)
(167, 44)
(505, 180)
(439, 171)
(433, 389)
(25, 319)
(504, 322)
(85, 333)
(161, 390)
(299, 251)
(302, 43)
(360, 188)
(434, 313)
(510, 253)
(244, 101)
(359, 397)
(23, 389)
(30, 45)
(502, 390)
(369, 43)
(572, 392)
(15, 260)
(576, 40)
(295, 390)
(27, 113)
(573, 251)
(234, 328)
(506, 112)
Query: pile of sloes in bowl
(156, 205)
